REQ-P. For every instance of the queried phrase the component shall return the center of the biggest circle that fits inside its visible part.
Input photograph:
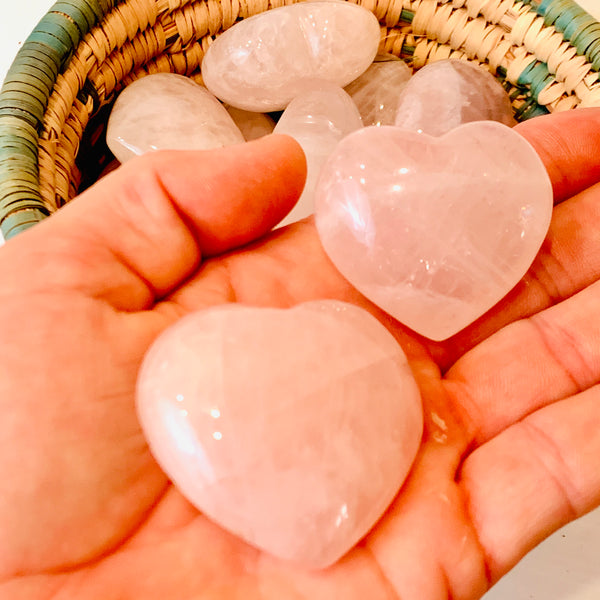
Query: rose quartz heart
(434, 230)
(292, 428)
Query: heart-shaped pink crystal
(292, 428)
(434, 230)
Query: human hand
(512, 404)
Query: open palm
(512, 404)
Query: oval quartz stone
(448, 93)
(166, 111)
(253, 125)
(261, 62)
(317, 119)
(377, 91)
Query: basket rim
(48, 52)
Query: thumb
(138, 233)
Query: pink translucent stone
(448, 93)
(292, 428)
(166, 111)
(318, 118)
(261, 63)
(253, 125)
(377, 91)
(434, 230)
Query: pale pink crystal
(317, 119)
(253, 125)
(448, 93)
(166, 111)
(292, 428)
(377, 91)
(260, 63)
(434, 230)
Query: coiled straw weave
(546, 53)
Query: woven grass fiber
(55, 100)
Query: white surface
(18, 19)
(566, 566)
(592, 6)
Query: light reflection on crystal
(179, 429)
(465, 241)
(447, 93)
(377, 91)
(342, 516)
(309, 40)
(303, 479)
(166, 111)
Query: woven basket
(55, 99)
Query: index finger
(569, 145)
(138, 233)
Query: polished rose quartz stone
(291, 428)
(166, 111)
(434, 230)
(445, 94)
(260, 63)
(318, 118)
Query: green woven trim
(406, 15)
(79, 12)
(536, 77)
(18, 222)
(32, 76)
(578, 27)
(23, 102)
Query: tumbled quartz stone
(291, 428)
(317, 119)
(166, 111)
(376, 92)
(260, 63)
(445, 94)
(253, 125)
(435, 230)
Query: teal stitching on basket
(536, 77)
(41, 58)
(29, 83)
(530, 109)
(560, 8)
(576, 25)
(406, 15)
(83, 16)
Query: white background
(567, 565)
